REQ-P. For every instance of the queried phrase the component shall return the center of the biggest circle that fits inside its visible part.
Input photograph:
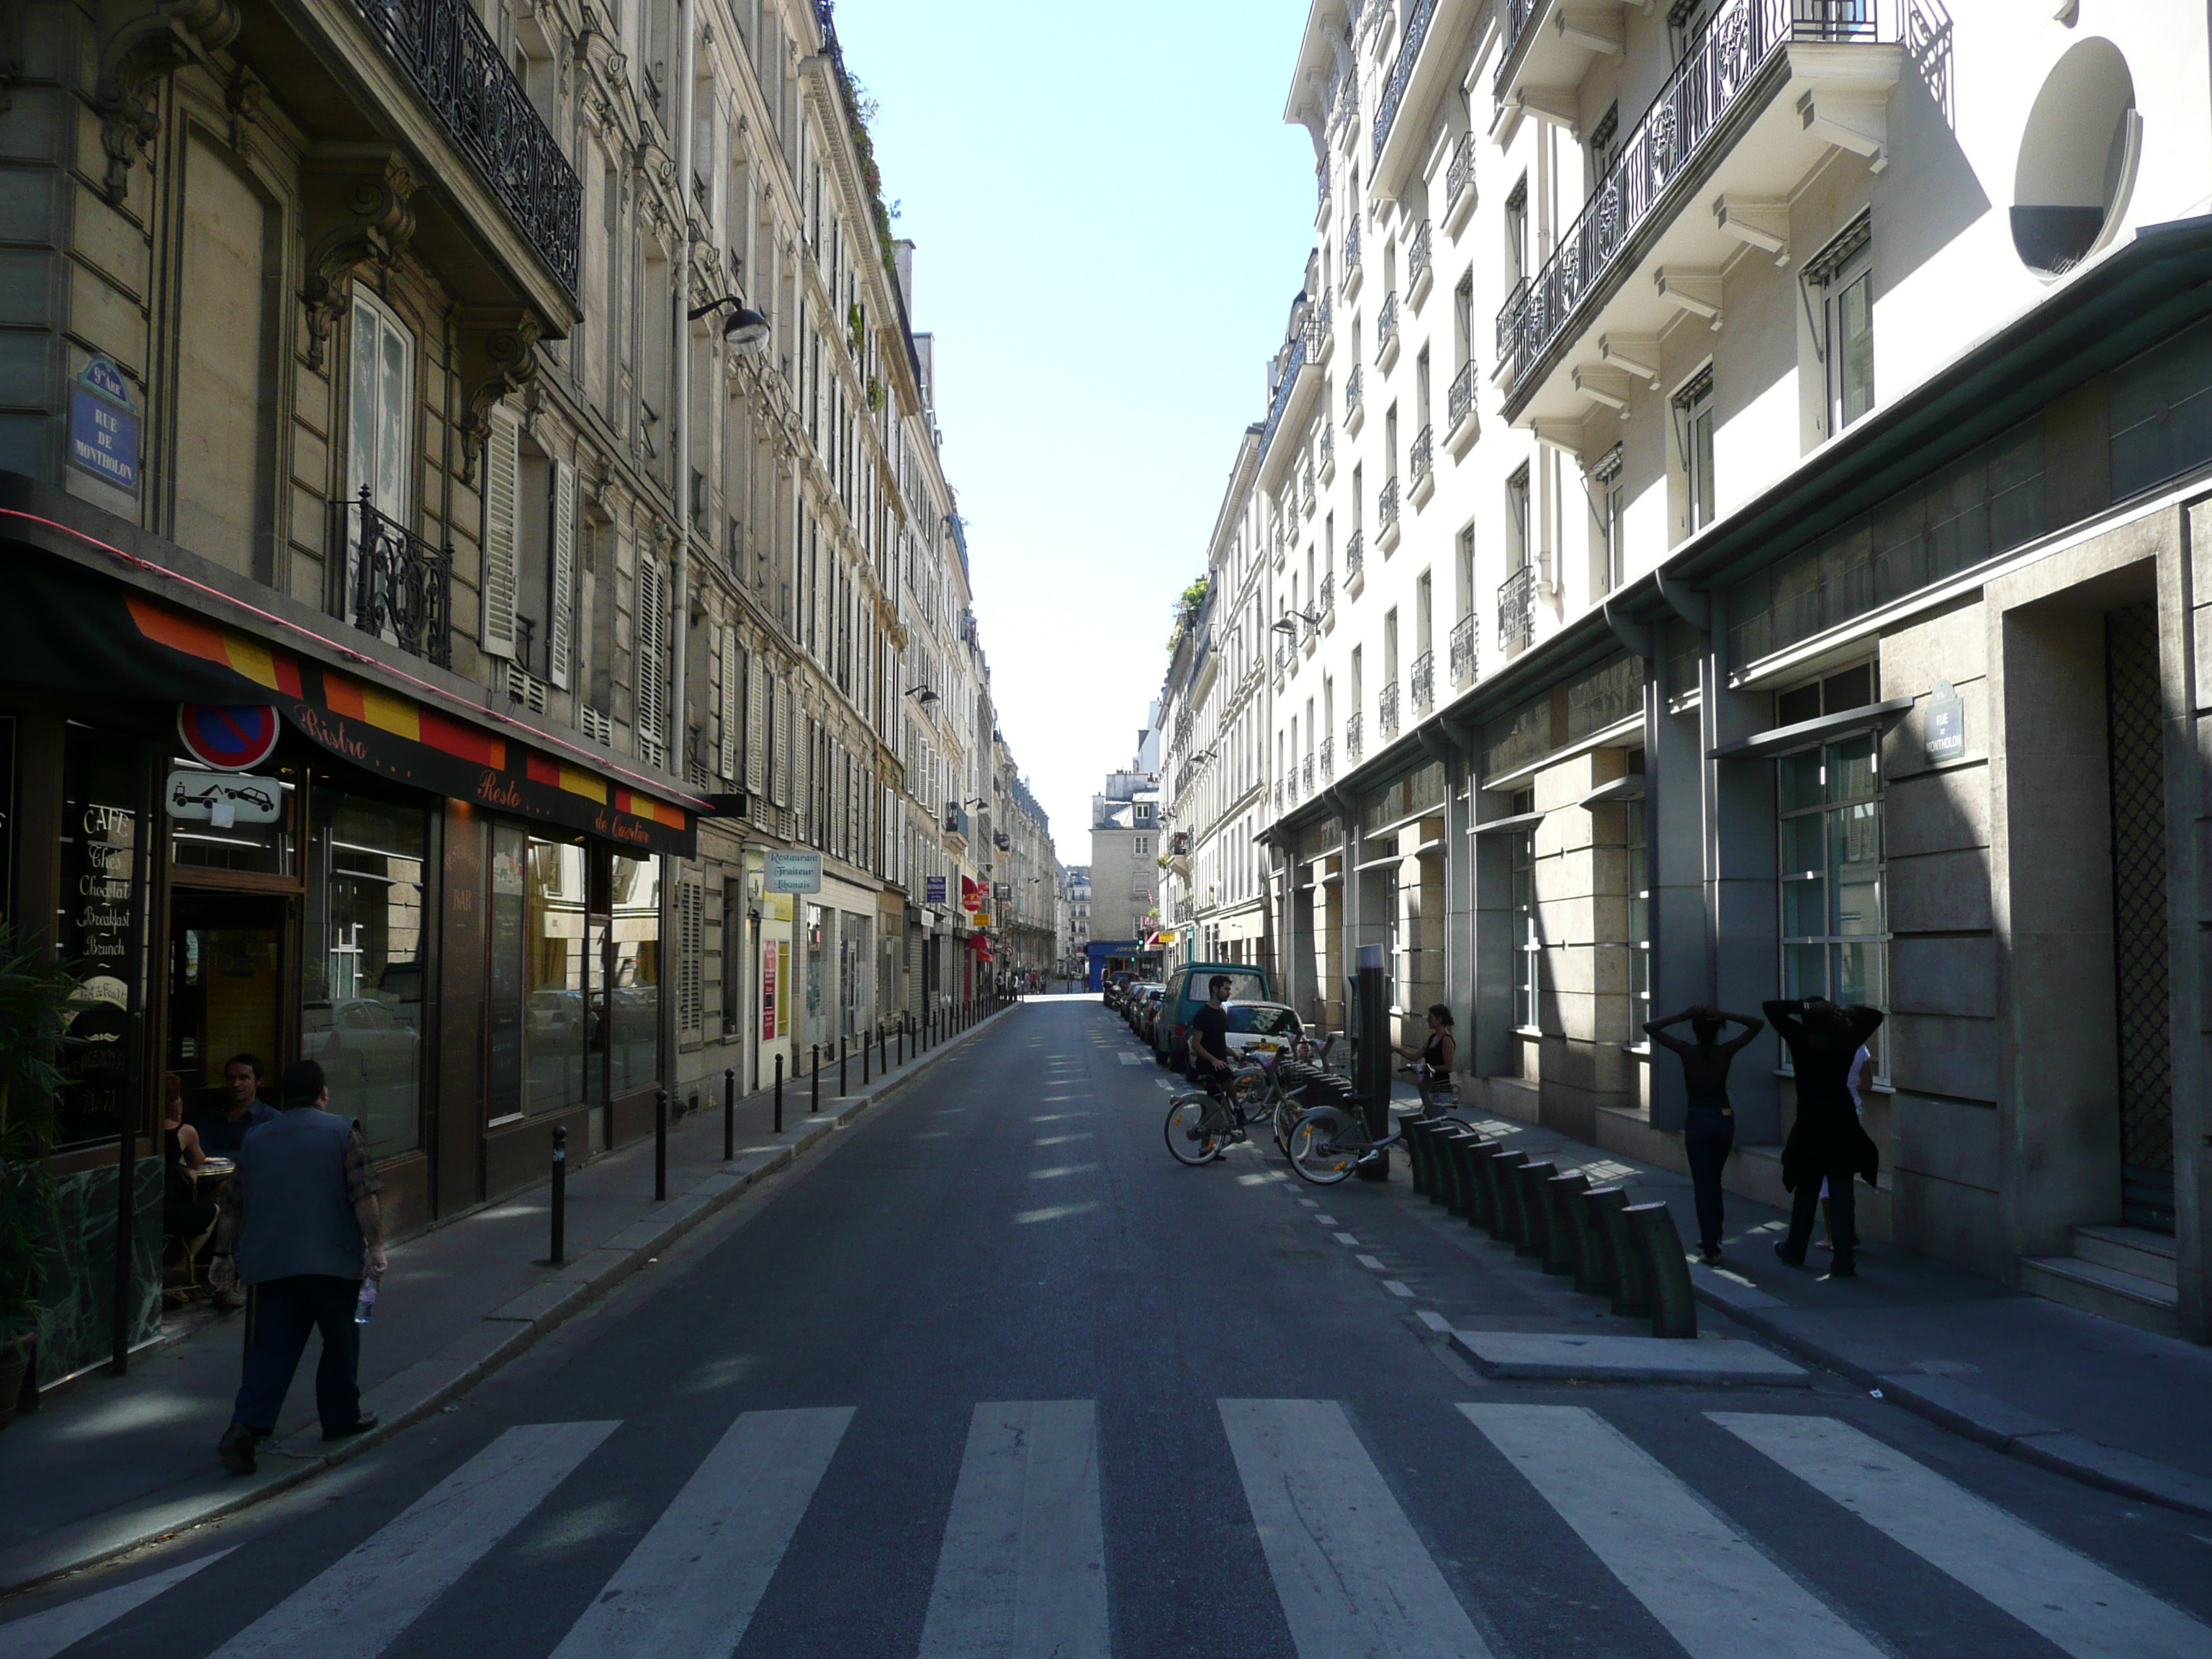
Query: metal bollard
(867, 1051)
(560, 1195)
(842, 1047)
(659, 1145)
(729, 1113)
(814, 1104)
(779, 1094)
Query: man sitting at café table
(223, 1115)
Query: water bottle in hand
(365, 1304)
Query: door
(226, 988)
(2139, 917)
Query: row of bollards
(908, 1039)
(1628, 1253)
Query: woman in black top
(1709, 1132)
(1436, 1057)
(1827, 1140)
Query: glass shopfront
(98, 926)
(553, 1021)
(635, 979)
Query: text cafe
(239, 850)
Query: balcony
(1386, 515)
(1351, 282)
(1462, 425)
(457, 69)
(1351, 739)
(1385, 711)
(1386, 333)
(1306, 489)
(1321, 335)
(1424, 683)
(1355, 411)
(1459, 185)
(1355, 565)
(1287, 385)
(1767, 93)
(1328, 454)
(1306, 774)
(1424, 477)
(1328, 760)
(1516, 611)
(1462, 653)
(1287, 656)
(1327, 608)
(399, 587)
(1420, 268)
(1418, 16)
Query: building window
(1604, 147)
(635, 982)
(1516, 519)
(1693, 432)
(1834, 926)
(1609, 500)
(1843, 271)
(1529, 950)
(1638, 830)
(1517, 235)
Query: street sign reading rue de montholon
(794, 873)
(1945, 728)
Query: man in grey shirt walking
(300, 1226)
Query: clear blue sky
(1111, 220)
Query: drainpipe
(680, 584)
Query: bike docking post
(779, 1094)
(867, 1050)
(729, 1113)
(814, 1104)
(843, 1048)
(1374, 1057)
(659, 1146)
(560, 1195)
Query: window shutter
(732, 696)
(502, 521)
(651, 634)
(562, 611)
(691, 939)
(779, 703)
(757, 722)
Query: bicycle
(1329, 1142)
(1202, 1124)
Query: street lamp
(744, 329)
(922, 694)
(1285, 625)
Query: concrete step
(2133, 1250)
(2107, 1291)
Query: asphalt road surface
(995, 1376)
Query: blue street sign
(104, 425)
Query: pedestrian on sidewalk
(1826, 1146)
(1709, 1130)
(300, 1227)
(1854, 1080)
(1433, 1062)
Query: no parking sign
(229, 737)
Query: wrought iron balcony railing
(399, 587)
(1316, 329)
(1328, 448)
(1461, 173)
(1423, 443)
(1327, 760)
(1386, 506)
(1352, 389)
(1386, 326)
(1355, 554)
(1722, 62)
(1306, 489)
(1409, 49)
(1517, 610)
(1285, 654)
(456, 65)
(1463, 650)
(1351, 738)
(1417, 257)
(1425, 682)
(1517, 14)
(1321, 180)
(1276, 404)
(1328, 593)
(1306, 774)
(1461, 398)
(1386, 711)
(1351, 248)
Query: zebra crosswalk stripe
(1710, 1588)
(1350, 1572)
(45, 1634)
(1021, 1572)
(2065, 1597)
(354, 1607)
(693, 1582)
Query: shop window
(362, 978)
(1835, 936)
(554, 1019)
(257, 837)
(97, 928)
(635, 987)
(504, 1014)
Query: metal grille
(2139, 917)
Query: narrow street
(999, 1377)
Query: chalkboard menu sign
(97, 926)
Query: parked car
(1186, 993)
(1262, 1028)
(1148, 1012)
(1132, 1003)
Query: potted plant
(35, 998)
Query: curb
(535, 1313)
(1968, 1412)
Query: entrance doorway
(2133, 711)
(225, 980)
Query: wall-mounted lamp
(745, 329)
(923, 694)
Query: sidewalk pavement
(2105, 1403)
(109, 1464)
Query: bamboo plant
(36, 999)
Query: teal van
(1186, 995)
